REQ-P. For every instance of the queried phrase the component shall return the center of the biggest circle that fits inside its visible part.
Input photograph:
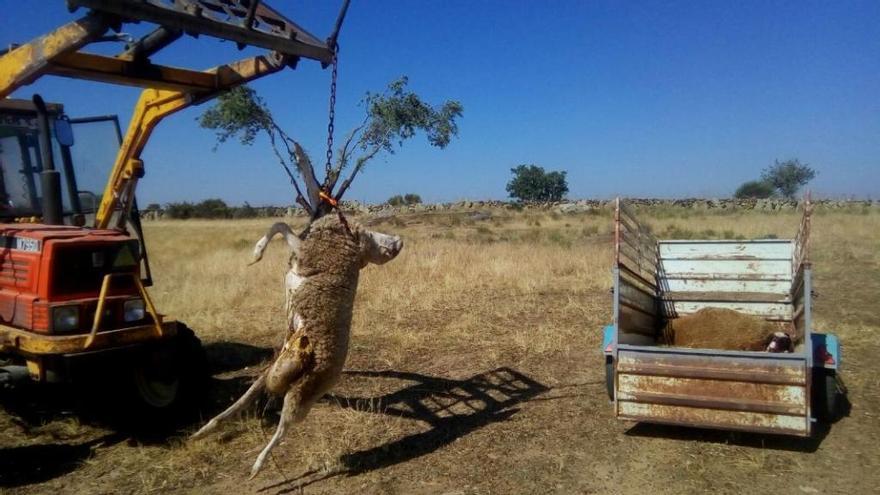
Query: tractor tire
(168, 383)
(609, 378)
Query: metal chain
(332, 112)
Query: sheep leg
(288, 411)
(252, 393)
(276, 228)
(292, 282)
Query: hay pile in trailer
(721, 328)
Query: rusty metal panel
(771, 311)
(801, 255)
(716, 285)
(728, 269)
(762, 249)
(635, 248)
(751, 277)
(637, 298)
(728, 394)
(714, 261)
(731, 296)
(715, 418)
(713, 389)
(632, 321)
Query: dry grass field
(475, 368)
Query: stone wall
(572, 206)
(583, 205)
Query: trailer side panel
(752, 277)
(713, 389)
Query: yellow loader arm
(168, 89)
(151, 108)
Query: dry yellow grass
(468, 304)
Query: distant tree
(211, 208)
(759, 189)
(244, 211)
(182, 210)
(406, 199)
(153, 207)
(788, 176)
(532, 183)
(390, 118)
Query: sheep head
(332, 247)
(378, 248)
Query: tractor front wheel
(168, 382)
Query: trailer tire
(827, 391)
(609, 378)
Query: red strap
(335, 204)
(329, 199)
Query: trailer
(656, 281)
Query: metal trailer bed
(658, 280)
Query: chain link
(332, 112)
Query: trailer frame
(658, 280)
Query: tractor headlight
(133, 310)
(65, 318)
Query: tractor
(74, 269)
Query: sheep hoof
(204, 430)
(255, 470)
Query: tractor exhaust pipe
(50, 179)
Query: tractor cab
(82, 152)
(65, 288)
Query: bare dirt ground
(475, 368)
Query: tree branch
(313, 188)
(303, 163)
(299, 195)
(357, 168)
(345, 152)
(344, 155)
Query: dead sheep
(320, 289)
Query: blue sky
(659, 99)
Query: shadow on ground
(99, 396)
(37, 463)
(102, 406)
(452, 409)
(224, 357)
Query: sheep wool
(320, 288)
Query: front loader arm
(26, 63)
(151, 108)
(167, 89)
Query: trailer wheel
(828, 393)
(169, 382)
(609, 378)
